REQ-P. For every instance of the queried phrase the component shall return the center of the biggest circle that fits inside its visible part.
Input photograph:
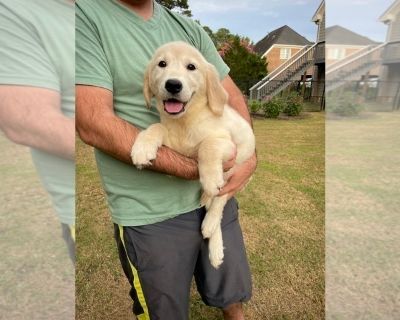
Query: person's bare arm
(32, 117)
(235, 98)
(99, 127)
(243, 171)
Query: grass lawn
(36, 274)
(362, 217)
(282, 216)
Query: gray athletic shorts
(160, 260)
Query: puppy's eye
(191, 67)
(162, 64)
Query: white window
(285, 53)
(336, 53)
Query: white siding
(394, 30)
(321, 29)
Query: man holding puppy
(156, 211)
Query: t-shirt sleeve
(91, 67)
(23, 58)
(207, 48)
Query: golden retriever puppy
(196, 122)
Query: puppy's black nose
(173, 86)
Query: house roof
(282, 35)
(339, 35)
(391, 12)
(319, 12)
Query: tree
(179, 5)
(220, 37)
(247, 67)
(209, 31)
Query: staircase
(281, 77)
(353, 67)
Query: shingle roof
(339, 35)
(282, 35)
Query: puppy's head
(179, 77)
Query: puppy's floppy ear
(148, 94)
(216, 94)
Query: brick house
(341, 43)
(292, 58)
(280, 45)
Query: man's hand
(229, 164)
(242, 172)
(240, 177)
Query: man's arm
(32, 117)
(235, 98)
(242, 172)
(99, 127)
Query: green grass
(282, 217)
(362, 216)
(36, 275)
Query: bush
(294, 104)
(346, 104)
(273, 107)
(254, 106)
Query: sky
(361, 16)
(256, 18)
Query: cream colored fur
(208, 129)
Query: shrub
(273, 107)
(294, 104)
(254, 106)
(346, 104)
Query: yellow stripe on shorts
(136, 281)
(72, 230)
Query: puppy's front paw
(209, 225)
(143, 153)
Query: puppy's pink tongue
(173, 106)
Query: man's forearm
(236, 99)
(32, 117)
(116, 137)
(173, 163)
(55, 136)
(99, 127)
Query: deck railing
(356, 64)
(278, 80)
(277, 70)
(391, 53)
(342, 62)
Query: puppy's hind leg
(216, 248)
(211, 155)
(213, 217)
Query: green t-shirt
(113, 48)
(37, 49)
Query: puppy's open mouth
(174, 106)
